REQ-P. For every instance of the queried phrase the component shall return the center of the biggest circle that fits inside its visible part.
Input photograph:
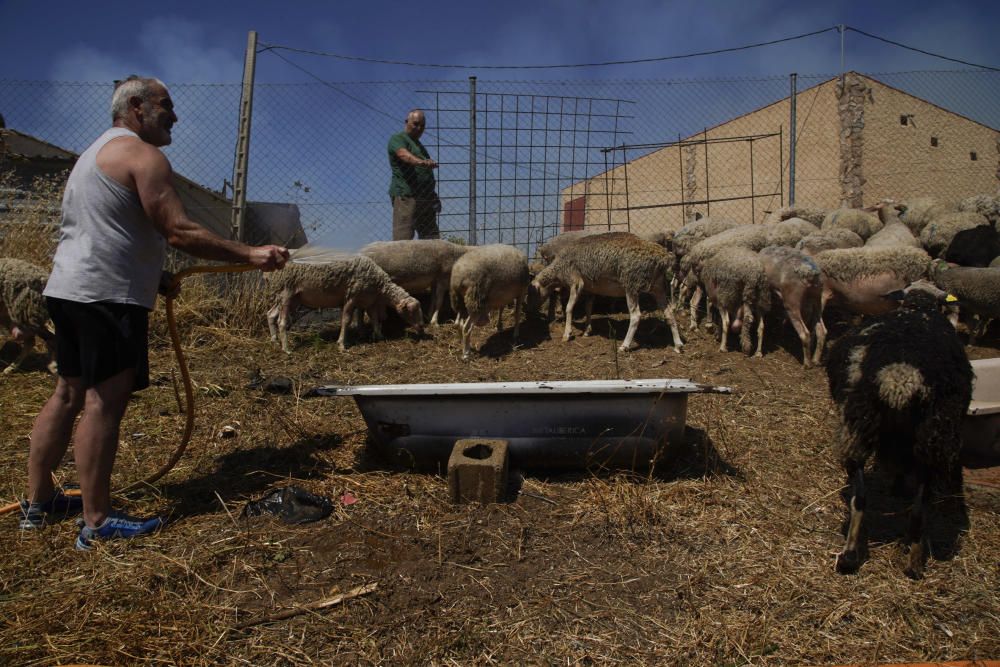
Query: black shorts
(96, 341)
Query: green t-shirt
(407, 180)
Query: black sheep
(902, 384)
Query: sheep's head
(409, 309)
(921, 295)
(544, 283)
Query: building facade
(857, 140)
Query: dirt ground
(722, 555)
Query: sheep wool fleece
(108, 249)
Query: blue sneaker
(117, 525)
(35, 516)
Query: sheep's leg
(978, 328)
(500, 317)
(724, 329)
(746, 344)
(27, 342)
(849, 560)
(284, 312)
(440, 289)
(760, 335)
(917, 554)
(820, 331)
(345, 318)
(695, 302)
(50, 347)
(675, 332)
(799, 324)
(634, 315)
(574, 293)
(589, 307)
(666, 302)
(518, 305)
(467, 325)
(272, 321)
(376, 318)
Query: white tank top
(108, 248)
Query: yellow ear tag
(951, 298)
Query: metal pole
(781, 161)
(242, 157)
(753, 201)
(793, 99)
(683, 180)
(708, 200)
(842, 31)
(472, 161)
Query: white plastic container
(618, 423)
(981, 428)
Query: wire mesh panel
(522, 160)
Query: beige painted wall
(898, 161)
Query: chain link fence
(523, 160)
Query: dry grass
(723, 555)
(29, 225)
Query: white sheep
(788, 232)
(829, 239)
(484, 279)
(977, 291)
(418, 265)
(810, 214)
(859, 221)
(939, 232)
(737, 285)
(902, 384)
(683, 241)
(547, 252)
(797, 280)
(894, 231)
(751, 237)
(987, 206)
(614, 264)
(22, 308)
(347, 282)
(918, 211)
(858, 278)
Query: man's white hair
(133, 86)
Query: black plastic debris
(279, 385)
(292, 505)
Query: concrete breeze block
(477, 470)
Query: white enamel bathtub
(619, 423)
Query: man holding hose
(118, 211)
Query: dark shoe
(35, 516)
(117, 525)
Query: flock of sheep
(901, 380)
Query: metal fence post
(793, 98)
(472, 161)
(242, 157)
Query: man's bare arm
(153, 180)
(411, 159)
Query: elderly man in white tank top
(119, 210)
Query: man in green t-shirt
(415, 204)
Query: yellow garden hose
(185, 377)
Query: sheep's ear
(894, 295)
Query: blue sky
(332, 138)
(203, 42)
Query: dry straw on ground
(722, 555)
